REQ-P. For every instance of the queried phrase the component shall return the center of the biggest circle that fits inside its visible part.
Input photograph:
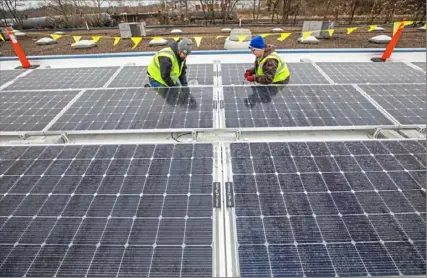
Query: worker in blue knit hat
(269, 67)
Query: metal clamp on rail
(216, 197)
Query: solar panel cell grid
(139, 109)
(343, 222)
(9, 75)
(31, 111)
(137, 77)
(420, 64)
(368, 72)
(301, 73)
(202, 73)
(406, 103)
(130, 77)
(64, 78)
(103, 223)
(296, 106)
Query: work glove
(247, 73)
(250, 78)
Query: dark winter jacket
(166, 67)
(269, 68)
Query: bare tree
(98, 4)
(60, 6)
(185, 3)
(227, 7)
(337, 8)
(391, 7)
(326, 12)
(11, 7)
(253, 9)
(354, 5)
(119, 4)
(78, 6)
(296, 9)
(418, 9)
(376, 10)
(3, 12)
(208, 9)
(286, 7)
(258, 10)
(272, 7)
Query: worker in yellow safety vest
(168, 68)
(269, 67)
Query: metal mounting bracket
(421, 130)
(238, 135)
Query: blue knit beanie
(257, 43)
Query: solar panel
(31, 111)
(64, 78)
(106, 210)
(9, 75)
(420, 64)
(203, 73)
(142, 108)
(406, 103)
(136, 77)
(295, 106)
(130, 77)
(362, 72)
(301, 73)
(317, 208)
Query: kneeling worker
(269, 66)
(168, 67)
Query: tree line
(253, 11)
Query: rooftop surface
(325, 176)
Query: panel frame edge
(230, 230)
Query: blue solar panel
(298, 106)
(343, 220)
(118, 109)
(367, 72)
(31, 111)
(65, 78)
(102, 210)
(420, 64)
(9, 75)
(301, 73)
(137, 77)
(406, 103)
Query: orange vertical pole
(18, 49)
(392, 44)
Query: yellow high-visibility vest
(154, 66)
(282, 71)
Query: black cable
(182, 134)
(179, 136)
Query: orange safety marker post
(18, 50)
(391, 45)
